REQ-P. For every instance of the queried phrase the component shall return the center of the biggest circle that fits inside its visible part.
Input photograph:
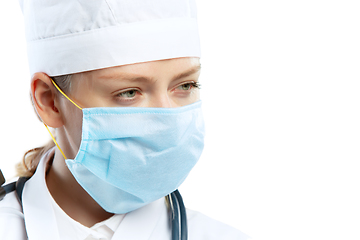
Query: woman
(118, 80)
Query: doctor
(119, 83)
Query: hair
(31, 159)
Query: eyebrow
(132, 78)
(189, 72)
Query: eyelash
(193, 85)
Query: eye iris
(129, 94)
(186, 86)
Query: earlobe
(43, 96)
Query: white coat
(147, 223)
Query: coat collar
(40, 219)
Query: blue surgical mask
(131, 156)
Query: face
(161, 84)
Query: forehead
(153, 69)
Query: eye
(188, 86)
(128, 94)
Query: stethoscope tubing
(179, 229)
(175, 217)
(184, 229)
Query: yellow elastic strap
(57, 87)
(55, 141)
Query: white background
(281, 101)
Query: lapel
(39, 217)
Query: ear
(44, 95)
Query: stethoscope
(178, 219)
(179, 229)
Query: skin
(166, 83)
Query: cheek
(193, 97)
(197, 95)
(72, 117)
(76, 129)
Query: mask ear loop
(58, 88)
(55, 141)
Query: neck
(70, 196)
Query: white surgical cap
(70, 36)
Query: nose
(161, 101)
